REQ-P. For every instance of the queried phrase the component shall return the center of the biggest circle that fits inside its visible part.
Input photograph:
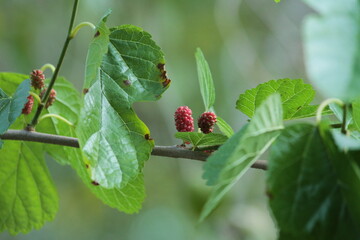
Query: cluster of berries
(37, 82)
(184, 121)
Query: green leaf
(98, 47)
(226, 166)
(348, 172)
(306, 184)
(28, 197)
(9, 82)
(224, 127)
(345, 142)
(207, 88)
(11, 107)
(115, 141)
(219, 159)
(295, 97)
(128, 199)
(356, 113)
(202, 140)
(332, 47)
(67, 105)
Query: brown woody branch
(164, 151)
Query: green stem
(324, 104)
(44, 99)
(36, 97)
(46, 66)
(343, 124)
(56, 116)
(79, 26)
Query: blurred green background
(245, 42)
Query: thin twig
(45, 97)
(164, 151)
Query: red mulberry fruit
(206, 122)
(37, 79)
(183, 119)
(28, 105)
(51, 99)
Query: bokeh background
(246, 42)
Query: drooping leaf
(306, 187)
(202, 140)
(225, 167)
(224, 127)
(128, 199)
(115, 141)
(27, 194)
(207, 88)
(332, 47)
(218, 161)
(295, 97)
(11, 107)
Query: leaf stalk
(324, 104)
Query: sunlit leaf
(295, 97)
(128, 199)
(27, 195)
(115, 141)
(66, 105)
(9, 81)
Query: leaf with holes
(202, 140)
(128, 199)
(226, 166)
(114, 140)
(295, 97)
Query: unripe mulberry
(51, 99)
(37, 79)
(206, 122)
(183, 119)
(28, 105)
